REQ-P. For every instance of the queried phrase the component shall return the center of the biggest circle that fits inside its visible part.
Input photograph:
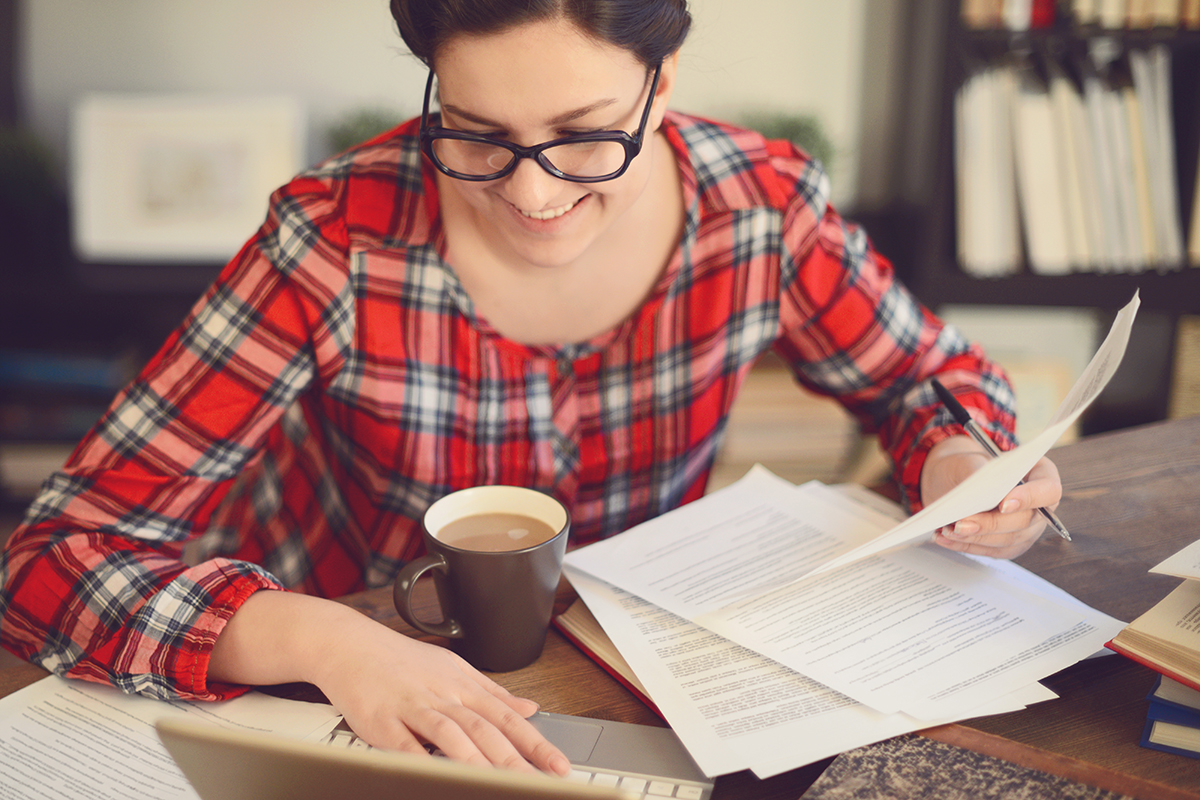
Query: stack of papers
(71, 738)
(775, 625)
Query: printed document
(921, 630)
(71, 738)
(735, 709)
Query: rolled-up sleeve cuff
(229, 584)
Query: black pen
(972, 428)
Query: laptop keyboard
(643, 786)
(639, 787)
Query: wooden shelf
(1175, 292)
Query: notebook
(610, 761)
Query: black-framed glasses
(584, 158)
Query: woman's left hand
(1004, 532)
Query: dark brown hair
(650, 29)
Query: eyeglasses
(584, 158)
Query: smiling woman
(411, 320)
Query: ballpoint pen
(975, 432)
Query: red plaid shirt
(335, 380)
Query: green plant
(803, 130)
(359, 126)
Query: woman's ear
(666, 85)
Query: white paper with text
(985, 488)
(920, 630)
(733, 708)
(70, 738)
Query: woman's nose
(531, 188)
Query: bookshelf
(937, 275)
(919, 229)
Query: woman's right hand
(395, 692)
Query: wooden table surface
(1132, 498)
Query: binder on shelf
(981, 14)
(1041, 14)
(1117, 249)
(1139, 168)
(986, 209)
(1039, 185)
(1085, 12)
(1017, 14)
(1166, 13)
(1125, 179)
(1112, 14)
(1140, 13)
(1151, 73)
(1075, 160)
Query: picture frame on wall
(177, 178)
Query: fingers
(401, 693)
(1005, 533)
(964, 537)
(509, 714)
(1013, 527)
(465, 735)
(491, 728)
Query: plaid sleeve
(92, 584)
(853, 332)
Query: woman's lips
(549, 213)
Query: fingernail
(965, 528)
(1010, 505)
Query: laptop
(610, 761)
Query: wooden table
(1132, 498)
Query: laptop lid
(243, 765)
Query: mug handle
(406, 581)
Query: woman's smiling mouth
(549, 213)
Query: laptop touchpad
(575, 737)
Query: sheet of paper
(733, 708)
(920, 630)
(1184, 564)
(985, 488)
(68, 738)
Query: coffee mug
(496, 555)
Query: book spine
(1159, 668)
(587, 651)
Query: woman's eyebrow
(561, 119)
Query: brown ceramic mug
(495, 553)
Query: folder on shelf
(1085, 235)
(1150, 71)
(1039, 186)
(988, 229)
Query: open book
(1167, 637)
(579, 625)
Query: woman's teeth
(549, 213)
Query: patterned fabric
(336, 379)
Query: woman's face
(531, 84)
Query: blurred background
(125, 119)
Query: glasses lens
(471, 158)
(586, 159)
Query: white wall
(338, 55)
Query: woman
(551, 282)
